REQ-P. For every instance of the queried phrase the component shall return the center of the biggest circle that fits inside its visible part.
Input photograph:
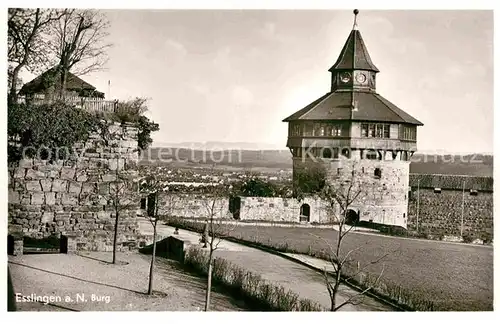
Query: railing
(89, 104)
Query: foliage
(146, 127)
(78, 41)
(27, 45)
(256, 187)
(10, 80)
(53, 129)
(247, 284)
(308, 180)
(70, 39)
(132, 111)
(47, 131)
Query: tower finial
(355, 26)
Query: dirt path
(108, 287)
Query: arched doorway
(352, 217)
(305, 213)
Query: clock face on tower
(345, 77)
(361, 78)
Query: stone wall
(281, 210)
(440, 214)
(383, 200)
(191, 205)
(251, 208)
(72, 197)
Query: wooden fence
(89, 104)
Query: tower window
(377, 173)
(409, 133)
(387, 132)
(364, 130)
(308, 130)
(295, 129)
(329, 131)
(375, 130)
(371, 130)
(337, 131)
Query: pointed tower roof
(354, 55)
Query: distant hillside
(244, 159)
(217, 146)
(470, 164)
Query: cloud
(177, 46)
(455, 71)
(403, 46)
(222, 57)
(202, 89)
(268, 31)
(241, 96)
(383, 26)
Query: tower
(353, 130)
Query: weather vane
(356, 12)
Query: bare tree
(122, 196)
(152, 185)
(80, 42)
(215, 228)
(27, 42)
(339, 196)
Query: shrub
(220, 269)
(286, 300)
(306, 305)
(468, 238)
(247, 284)
(52, 130)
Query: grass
(423, 275)
(247, 285)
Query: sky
(215, 75)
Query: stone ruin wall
(191, 206)
(69, 197)
(281, 210)
(265, 209)
(441, 213)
